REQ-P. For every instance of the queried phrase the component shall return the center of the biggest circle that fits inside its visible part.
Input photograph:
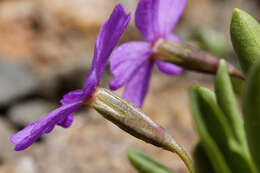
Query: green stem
(183, 155)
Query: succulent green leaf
(212, 41)
(245, 35)
(251, 111)
(227, 102)
(201, 161)
(145, 164)
(211, 149)
(238, 86)
(216, 134)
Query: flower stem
(183, 155)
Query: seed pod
(134, 121)
(191, 58)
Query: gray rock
(6, 148)
(16, 81)
(24, 113)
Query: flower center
(155, 45)
(92, 98)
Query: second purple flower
(132, 62)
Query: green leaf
(245, 35)
(213, 127)
(238, 86)
(145, 164)
(201, 160)
(212, 41)
(251, 111)
(227, 102)
(198, 106)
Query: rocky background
(46, 47)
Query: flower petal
(66, 123)
(170, 12)
(146, 16)
(167, 68)
(108, 37)
(19, 136)
(72, 97)
(126, 60)
(136, 89)
(157, 18)
(89, 85)
(26, 137)
(172, 37)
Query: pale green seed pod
(135, 122)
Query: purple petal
(136, 89)
(26, 137)
(72, 97)
(67, 122)
(167, 68)
(19, 136)
(157, 18)
(90, 84)
(146, 16)
(108, 37)
(170, 12)
(172, 37)
(126, 60)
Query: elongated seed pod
(135, 122)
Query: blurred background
(46, 48)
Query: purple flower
(132, 62)
(107, 39)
